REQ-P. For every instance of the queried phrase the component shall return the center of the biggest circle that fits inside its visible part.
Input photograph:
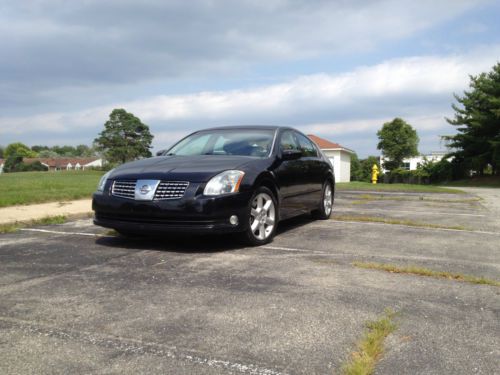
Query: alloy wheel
(262, 216)
(328, 199)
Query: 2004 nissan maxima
(229, 179)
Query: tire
(262, 221)
(325, 206)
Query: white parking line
(61, 232)
(290, 249)
(135, 346)
(285, 248)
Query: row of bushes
(427, 173)
(14, 163)
(23, 167)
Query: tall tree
(477, 118)
(19, 149)
(398, 140)
(124, 138)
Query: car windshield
(244, 142)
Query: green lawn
(366, 186)
(38, 187)
(479, 181)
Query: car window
(219, 146)
(288, 141)
(244, 142)
(306, 146)
(193, 146)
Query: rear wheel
(325, 208)
(263, 218)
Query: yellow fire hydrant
(375, 174)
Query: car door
(291, 176)
(314, 168)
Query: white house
(413, 163)
(64, 163)
(57, 164)
(340, 157)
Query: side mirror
(291, 154)
(160, 153)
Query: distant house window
(406, 166)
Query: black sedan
(229, 179)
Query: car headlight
(102, 181)
(224, 183)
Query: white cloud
(416, 77)
(56, 45)
(418, 89)
(423, 123)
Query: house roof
(60, 162)
(325, 144)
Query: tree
(355, 168)
(38, 148)
(67, 151)
(1, 152)
(19, 149)
(48, 154)
(398, 140)
(366, 166)
(64, 150)
(477, 118)
(84, 151)
(124, 138)
(13, 163)
(361, 170)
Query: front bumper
(191, 214)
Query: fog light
(233, 220)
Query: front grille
(165, 190)
(171, 190)
(138, 219)
(124, 189)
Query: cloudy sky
(337, 69)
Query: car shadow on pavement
(190, 243)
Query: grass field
(479, 181)
(366, 186)
(37, 187)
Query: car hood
(199, 168)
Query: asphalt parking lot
(74, 299)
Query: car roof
(266, 127)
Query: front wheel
(325, 208)
(262, 217)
